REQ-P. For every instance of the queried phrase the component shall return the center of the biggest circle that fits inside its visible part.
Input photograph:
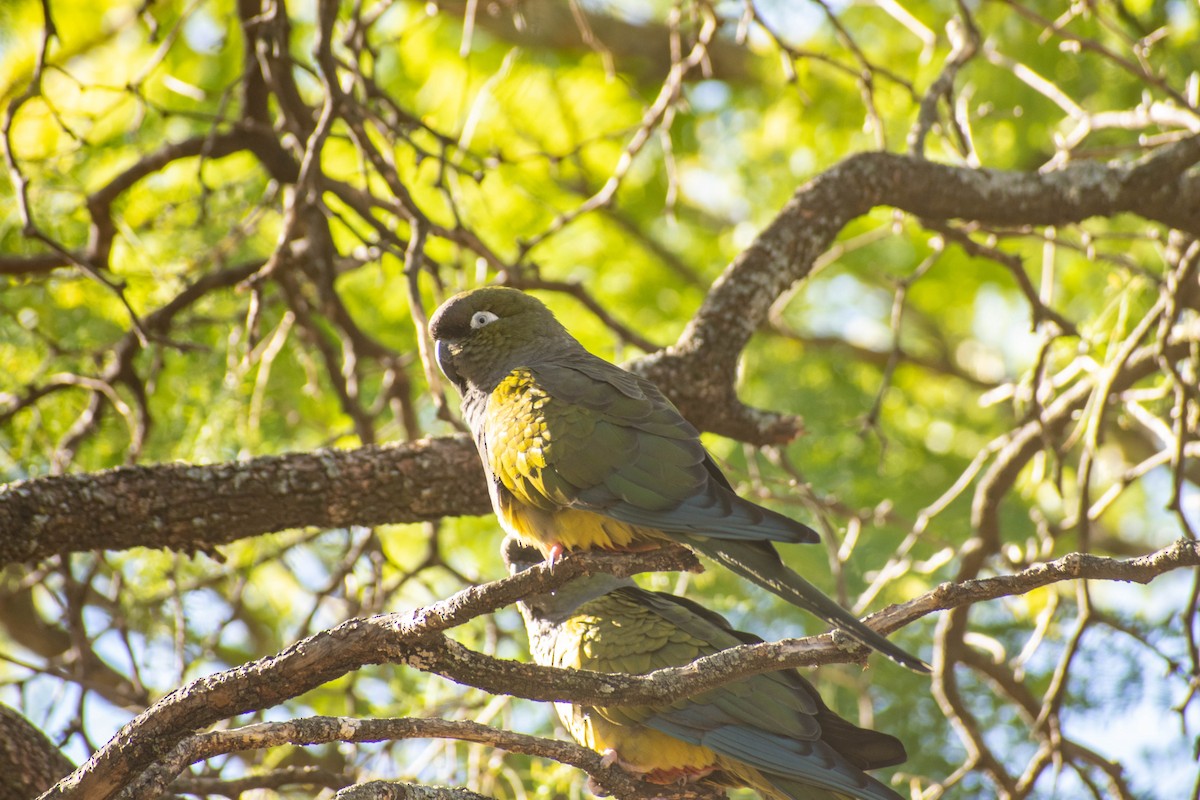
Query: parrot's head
(544, 611)
(484, 334)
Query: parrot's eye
(481, 318)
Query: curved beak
(445, 361)
(519, 556)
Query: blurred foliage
(495, 142)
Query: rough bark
(29, 762)
(198, 507)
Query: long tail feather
(759, 562)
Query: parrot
(770, 732)
(581, 454)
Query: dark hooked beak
(519, 556)
(446, 363)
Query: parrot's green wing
(581, 433)
(636, 632)
(866, 749)
(771, 722)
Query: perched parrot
(582, 454)
(770, 732)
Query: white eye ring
(481, 318)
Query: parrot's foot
(607, 759)
(554, 553)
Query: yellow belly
(658, 757)
(570, 528)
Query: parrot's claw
(554, 554)
(596, 789)
(607, 759)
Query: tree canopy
(926, 273)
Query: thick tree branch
(702, 364)
(29, 762)
(187, 507)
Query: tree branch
(415, 639)
(551, 25)
(322, 730)
(400, 790)
(701, 366)
(29, 762)
(186, 507)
